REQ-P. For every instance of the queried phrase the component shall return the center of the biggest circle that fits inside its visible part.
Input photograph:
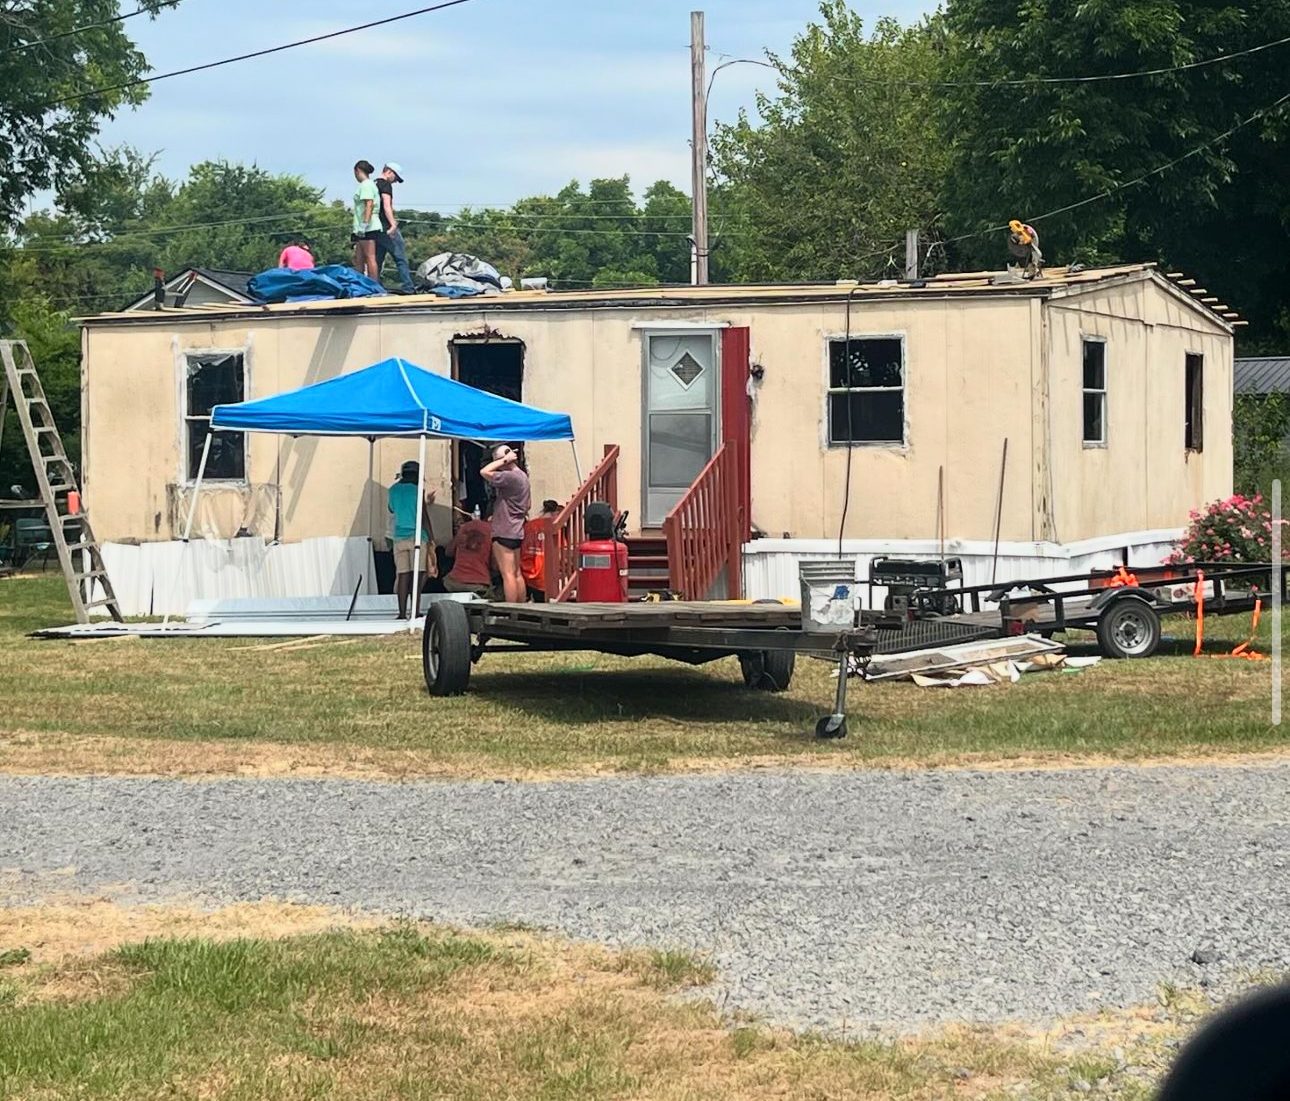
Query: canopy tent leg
(577, 467)
(188, 524)
(371, 489)
(416, 536)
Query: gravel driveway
(856, 898)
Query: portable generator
(917, 587)
(602, 557)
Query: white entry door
(681, 411)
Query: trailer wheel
(768, 670)
(1128, 628)
(445, 649)
(831, 726)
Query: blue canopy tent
(390, 398)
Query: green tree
(55, 344)
(1217, 207)
(1260, 430)
(47, 120)
(665, 225)
(848, 155)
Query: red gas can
(602, 571)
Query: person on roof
(1023, 243)
(297, 255)
(390, 242)
(367, 224)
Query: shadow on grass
(573, 696)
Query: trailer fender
(1122, 592)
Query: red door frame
(736, 417)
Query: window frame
(188, 478)
(1104, 392)
(1194, 406)
(830, 390)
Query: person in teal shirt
(367, 220)
(403, 507)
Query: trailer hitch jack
(835, 725)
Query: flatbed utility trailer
(1121, 607)
(766, 637)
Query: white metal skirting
(154, 579)
(770, 565)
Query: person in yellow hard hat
(1023, 243)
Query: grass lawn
(360, 708)
(283, 1006)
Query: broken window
(866, 390)
(1095, 392)
(214, 378)
(1195, 423)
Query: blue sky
(481, 104)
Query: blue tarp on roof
(393, 398)
(330, 281)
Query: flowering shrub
(1238, 529)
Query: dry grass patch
(293, 1002)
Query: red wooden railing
(703, 531)
(564, 529)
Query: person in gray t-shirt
(510, 510)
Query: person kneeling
(471, 552)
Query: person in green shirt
(367, 220)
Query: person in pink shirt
(296, 256)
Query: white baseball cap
(396, 168)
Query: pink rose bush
(1238, 529)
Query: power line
(76, 96)
(1091, 78)
(1260, 113)
(74, 31)
(312, 220)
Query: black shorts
(509, 544)
(370, 235)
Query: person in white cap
(390, 241)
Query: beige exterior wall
(974, 370)
(1144, 477)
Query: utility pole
(699, 149)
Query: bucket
(828, 594)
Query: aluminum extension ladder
(78, 553)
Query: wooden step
(646, 559)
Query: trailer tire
(768, 670)
(445, 649)
(1128, 628)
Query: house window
(1195, 424)
(866, 390)
(1095, 392)
(214, 378)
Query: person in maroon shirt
(472, 559)
(510, 510)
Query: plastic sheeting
(154, 579)
(309, 284)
